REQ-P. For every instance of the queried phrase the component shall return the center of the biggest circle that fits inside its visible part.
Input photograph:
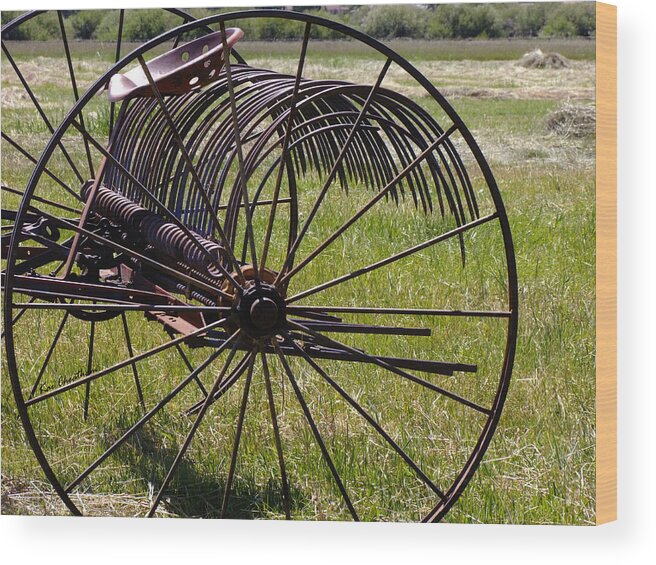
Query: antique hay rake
(254, 292)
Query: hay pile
(572, 120)
(538, 60)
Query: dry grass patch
(572, 120)
(536, 59)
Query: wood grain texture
(606, 231)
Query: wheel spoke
(119, 40)
(276, 434)
(381, 363)
(379, 196)
(194, 427)
(194, 173)
(317, 435)
(39, 199)
(318, 310)
(29, 304)
(392, 258)
(335, 168)
(124, 363)
(48, 355)
(146, 417)
(285, 144)
(190, 367)
(372, 329)
(135, 373)
(240, 154)
(76, 95)
(319, 351)
(46, 170)
(87, 392)
(356, 405)
(225, 385)
(114, 306)
(235, 448)
(39, 109)
(142, 188)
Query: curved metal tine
(362, 211)
(39, 109)
(146, 417)
(119, 41)
(212, 212)
(143, 258)
(317, 435)
(240, 153)
(360, 410)
(237, 440)
(87, 392)
(51, 349)
(194, 173)
(323, 310)
(194, 427)
(333, 172)
(124, 363)
(395, 257)
(135, 373)
(76, 95)
(46, 170)
(190, 367)
(377, 361)
(276, 434)
(157, 202)
(285, 145)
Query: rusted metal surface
(204, 153)
(190, 67)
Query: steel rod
(192, 432)
(392, 258)
(377, 361)
(317, 434)
(120, 365)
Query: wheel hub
(261, 311)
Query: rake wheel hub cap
(261, 311)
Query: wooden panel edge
(606, 264)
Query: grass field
(540, 466)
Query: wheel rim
(285, 354)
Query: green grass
(540, 465)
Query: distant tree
(464, 21)
(142, 25)
(18, 32)
(388, 21)
(516, 20)
(571, 19)
(85, 23)
(39, 28)
(439, 21)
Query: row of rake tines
(389, 137)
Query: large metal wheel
(266, 294)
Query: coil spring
(164, 236)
